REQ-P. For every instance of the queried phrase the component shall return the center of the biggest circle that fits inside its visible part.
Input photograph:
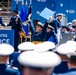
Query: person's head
(5, 51)
(59, 16)
(74, 22)
(64, 29)
(49, 28)
(37, 63)
(15, 12)
(70, 26)
(72, 62)
(39, 27)
(26, 46)
(35, 71)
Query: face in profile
(14, 14)
(59, 17)
(38, 28)
(70, 27)
(75, 23)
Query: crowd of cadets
(51, 30)
(39, 59)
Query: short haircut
(73, 60)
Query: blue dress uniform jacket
(71, 71)
(4, 70)
(38, 36)
(51, 34)
(1, 22)
(15, 23)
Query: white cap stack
(39, 60)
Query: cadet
(15, 23)
(25, 46)
(53, 23)
(70, 52)
(1, 22)
(70, 28)
(39, 32)
(59, 17)
(50, 35)
(35, 63)
(5, 51)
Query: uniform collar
(15, 16)
(71, 69)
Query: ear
(69, 65)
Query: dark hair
(73, 60)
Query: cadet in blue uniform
(50, 35)
(59, 17)
(39, 32)
(53, 23)
(25, 46)
(38, 63)
(15, 23)
(1, 22)
(70, 52)
(71, 65)
(5, 51)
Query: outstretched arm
(32, 28)
(1, 22)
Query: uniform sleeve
(44, 28)
(1, 22)
(10, 23)
(19, 24)
(55, 26)
(32, 28)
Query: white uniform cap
(40, 24)
(39, 60)
(49, 26)
(0, 9)
(71, 43)
(69, 23)
(59, 14)
(6, 49)
(26, 46)
(71, 54)
(73, 21)
(45, 46)
(66, 48)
